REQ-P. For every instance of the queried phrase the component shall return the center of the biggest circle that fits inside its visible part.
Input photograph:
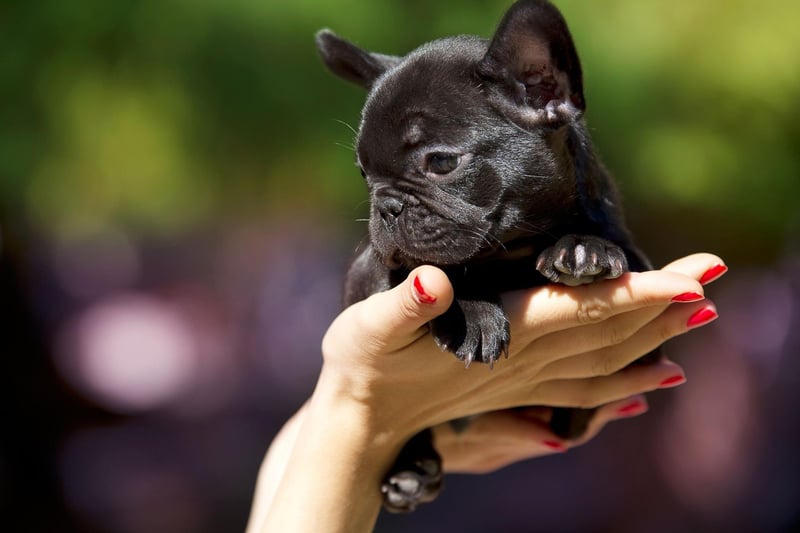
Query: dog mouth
(408, 246)
(397, 259)
(408, 230)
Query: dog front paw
(474, 330)
(578, 259)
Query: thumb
(394, 318)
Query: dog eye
(443, 163)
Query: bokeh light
(129, 353)
(178, 203)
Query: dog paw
(404, 490)
(578, 259)
(474, 330)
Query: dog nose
(389, 209)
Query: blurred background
(179, 202)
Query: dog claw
(579, 259)
(479, 332)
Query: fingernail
(554, 445)
(423, 296)
(632, 409)
(688, 297)
(701, 317)
(713, 273)
(673, 381)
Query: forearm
(272, 469)
(330, 480)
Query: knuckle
(666, 332)
(364, 325)
(408, 310)
(613, 334)
(360, 318)
(586, 400)
(604, 367)
(583, 397)
(592, 311)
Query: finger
(622, 340)
(393, 319)
(494, 440)
(703, 267)
(553, 307)
(568, 344)
(626, 408)
(592, 392)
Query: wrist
(360, 407)
(337, 462)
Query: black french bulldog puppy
(478, 161)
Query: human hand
(496, 439)
(568, 347)
(383, 379)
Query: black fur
(478, 161)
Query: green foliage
(159, 116)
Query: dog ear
(533, 63)
(350, 62)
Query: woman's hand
(567, 349)
(496, 439)
(499, 438)
(383, 379)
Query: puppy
(477, 160)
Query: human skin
(383, 379)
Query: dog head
(463, 142)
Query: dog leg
(415, 477)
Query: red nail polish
(701, 317)
(554, 445)
(688, 297)
(423, 296)
(632, 409)
(672, 381)
(713, 273)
